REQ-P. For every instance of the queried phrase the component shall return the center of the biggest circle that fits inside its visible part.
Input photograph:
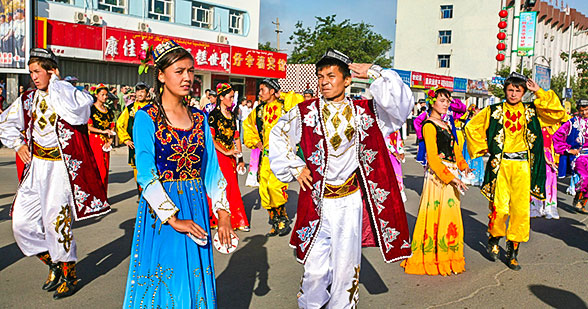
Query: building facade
(458, 38)
(99, 41)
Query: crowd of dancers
(346, 155)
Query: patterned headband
(223, 88)
(431, 93)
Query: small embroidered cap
(43, 53)
(518, 75)
(272, 83)
(223, 88)
(308, 91)
(582, 103)
(335, 54)
(70, 79)
(163, 48)
(100, 87)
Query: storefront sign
(477, 86)
(417, 80)
(460, 85)
(253, 62)
(527, 27)
(498, 80)
(543, 76)
(124, 46)
(405, 75)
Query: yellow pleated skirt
(437, 240)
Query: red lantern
(501, 46)
(500, 57)
(503, 13)
(501, 36)
(502, 25)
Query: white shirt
(44, 118)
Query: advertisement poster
(527, 27)
(543, 76)
(15, 34)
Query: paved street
(263, 273)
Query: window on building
(63, 1)
(160, 9)
(202, 15)
(443, 61)
(116, 6)
(446, 11)
(235, 22)
(445, 37)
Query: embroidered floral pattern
(364, 122)
(80, 196)
(312, 116)
(389, 234)
(64, 135)
(305, 234)
(63, 227)
(380, 195)
(73, 165)
(318, 157)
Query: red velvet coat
(384, 218)
(84, 179)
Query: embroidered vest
(383, 207)
(84, 179)
(534, 141)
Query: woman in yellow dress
(437, 242)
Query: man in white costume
(349, 196)
(47, 127)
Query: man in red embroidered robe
(349, 195)
(61, 179)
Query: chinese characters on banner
(245, 61)
(124, 46)
(527, 25)
(426, 80)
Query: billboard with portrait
(15, 34)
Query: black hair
(141, 87)
(327, 62)
(515, 82)
(444, 92)
(46, 64)
(163, 63)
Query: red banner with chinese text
(262, 63)
(417, 80)
(124, 46)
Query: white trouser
(41, 219)
(335, 257)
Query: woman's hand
(241, 165)
(468, 170)
(187, 226)
(230, 153)
(459, 185)
(24, 154)
(224, 228)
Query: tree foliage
(266, 46)
(357, 40)
(578, 83)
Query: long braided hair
(160, 65)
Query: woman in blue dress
(171, 257)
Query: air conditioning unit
(222, 39)
(95, 20)
(80, 17)
(143, 27)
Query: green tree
(357, 40)
(266, 46)
(579, 84)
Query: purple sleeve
(418, 125)
(458, 108)
(559, 138)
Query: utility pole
(515, 36)
(278, 31)
(570, 50)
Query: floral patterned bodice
(178, 152)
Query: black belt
(517, 156)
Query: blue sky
(580, 5)
(379, 13)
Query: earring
(160, 89)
